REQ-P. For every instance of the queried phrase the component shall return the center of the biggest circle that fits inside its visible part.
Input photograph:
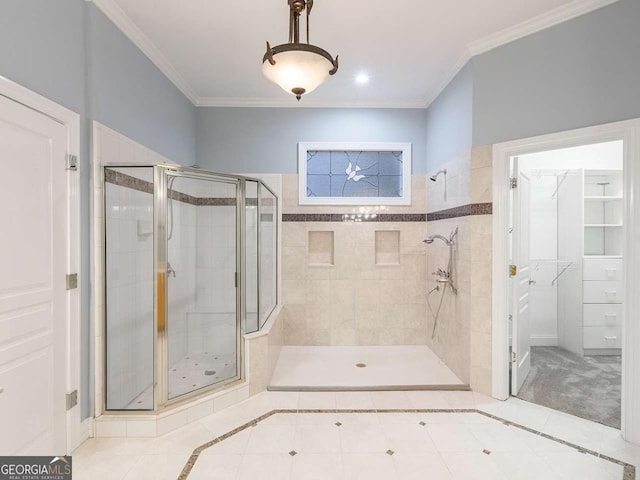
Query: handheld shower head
(434, 178)
(449, 241)
(430, 240)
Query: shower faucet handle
(441, 273)
(170, 270)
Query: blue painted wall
(264, 140)
(129, 94)
(69, 52)
(579, 73)
(449, 120)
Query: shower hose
(437, 313)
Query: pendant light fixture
(298, 68)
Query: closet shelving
(603, 266)
(603, 212)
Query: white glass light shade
(297, 69)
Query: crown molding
(462, 60)
(288, 101)
(558, 15)
(536, 24)
(533, 25)
(121, 20)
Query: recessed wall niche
(387, 247)
(320, 248)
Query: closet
(576, 247)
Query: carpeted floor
(588, 387)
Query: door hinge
(72, 399)
(235, 279)
(72, 162)
(513, 182)
(513, 357)
(72, 281)
(513, 270)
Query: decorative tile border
(629, 471)
(123, 180)
(354, 217)
(461, 211)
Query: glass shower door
(202, 333)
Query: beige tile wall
(451, 341)
(453, 190)
(354, 301)
(463, 335)
(452, 334)
(262, 350)
(481, 271)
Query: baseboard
(375, 388)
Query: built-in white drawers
(602, 315)
(602, 269)
(603, 337)
(602, 292)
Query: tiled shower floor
(384, 366)
(191, 373)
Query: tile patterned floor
(472, 444)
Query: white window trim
(629, 132)
(304, 147)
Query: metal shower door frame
(161, 248)
(160, 259)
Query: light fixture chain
(309, 7)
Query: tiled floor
(373, 445)
(384, 366)
(195, 371)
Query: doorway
(629, 132)
(39, 301)
(566, 284)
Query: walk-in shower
(190, 266)
(445, 277)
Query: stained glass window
(355, 175)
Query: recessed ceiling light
(362, 79)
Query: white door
(520, 282)
(33, 297)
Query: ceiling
(212, 50)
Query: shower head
(430, 240)
(449, 241)
(433, 178)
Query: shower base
(192, 372)
(362, 368)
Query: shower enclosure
(190, 265)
